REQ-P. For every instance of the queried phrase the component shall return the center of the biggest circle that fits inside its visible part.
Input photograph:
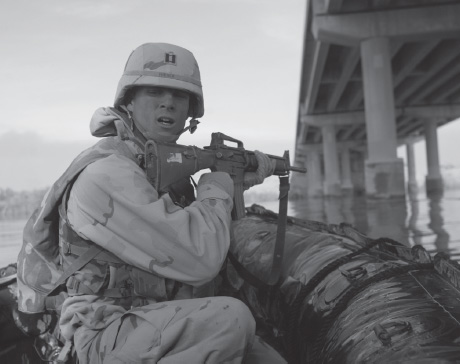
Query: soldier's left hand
(265, 169)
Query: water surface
(432, 222)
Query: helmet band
(163, 75)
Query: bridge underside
(376, 74)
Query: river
(431, 222)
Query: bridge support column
(299, 181)
(331, 163)
(433, 180)
(314, 177)
(347, 185)
(384, 172)
(412, 186)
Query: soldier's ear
(129, 106)
(128, 99)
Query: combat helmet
(163, 65)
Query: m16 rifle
(167, 163)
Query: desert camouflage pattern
(39, 265)
(112, 204)
(140, 301)
(203, 330)
(39, 261)
(109, 276)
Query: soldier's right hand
(220, 179)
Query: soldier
(148, 292)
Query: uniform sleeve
(112, 204)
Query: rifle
(167, 163)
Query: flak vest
(106, 275)
(54, 255)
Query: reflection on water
(10, 240)
(429, 221)
(432, 222)
(437, 225)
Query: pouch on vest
(148, 285)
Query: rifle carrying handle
(219, 138)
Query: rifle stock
(167, 163)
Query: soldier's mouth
(165, 121)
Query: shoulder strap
(82, 260)
(85, 255)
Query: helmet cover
(162, 65)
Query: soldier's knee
(233, 308)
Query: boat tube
(346, 298)
(341, 297)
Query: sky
(61, 60)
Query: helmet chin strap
(193, 124)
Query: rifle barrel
(298, 169)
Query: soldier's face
(160, 111)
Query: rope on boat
(342, 304)
(293, 339)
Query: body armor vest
(50, 248)
(106, 274)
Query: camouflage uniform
(139, 299)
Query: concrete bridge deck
(376, 74)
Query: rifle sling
(246, 274)
(278, 251)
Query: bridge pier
(311, 183)
(384, 172)
(347, 184)
(331, 164)
(314, 177)
(433, 181)
(412, 187)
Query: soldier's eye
(154, 91)
(181, 94)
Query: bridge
(376, 74)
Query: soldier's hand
(219, 179)
(265, 168)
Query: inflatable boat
(340, 297)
